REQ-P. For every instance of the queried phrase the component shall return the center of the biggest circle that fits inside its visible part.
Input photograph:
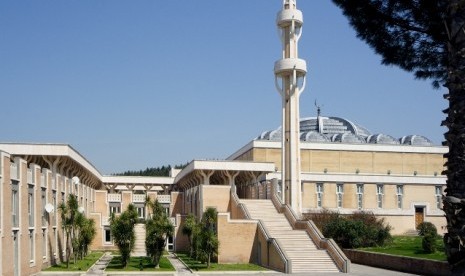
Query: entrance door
(419, 216)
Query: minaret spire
(290, 74)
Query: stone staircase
(139, 245)
(302, 252)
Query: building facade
(399, 180)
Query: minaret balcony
(287, 66)
(285, 18)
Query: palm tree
(87, 234)
(208, 238)
(122, 230)
(158, 229)
(69, 212)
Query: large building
(344, 168)
(260, 191)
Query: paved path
(100, 265)
(181, 269)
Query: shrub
(427, 227)
(321, 218)
(360, 229)
(429, 243)
(430, 234)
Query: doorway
(419, 215)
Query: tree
(122, 230)
(86, 235)
(68, 212)
(79, 230)
(158, 229)
(207, 236)
(428, 38)
(430, 234)
(188, 229)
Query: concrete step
(298, 246)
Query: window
(107, 235)
(319, 195)
(43, 197)
(438, 197)
(54, 202)
(31, 246)
(339, 193)
(115, 207)
(400, 193)
(140, 212)
(359, 196)
(44, 243)
(379, 195)
(30, 205)
(15, 204)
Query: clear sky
(136, 84)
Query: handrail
(320, 241)
(244, 210)
(333, 249)
(278, 248)
(264, 231)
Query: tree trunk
(454, 201)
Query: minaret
(290, 82)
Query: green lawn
(196, 265)
(134, 264)
(80, 265)
(410, 246)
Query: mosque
(259, 191)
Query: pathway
(181, 269)
(100, 265)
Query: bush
(430, 234)
(360, 229)
(321, 218)
(426, 227)
(429, 243)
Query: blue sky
(136, 84)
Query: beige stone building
(398, 179)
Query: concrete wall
(216, 196)
(339, 161)
(241, 248)
(398, 263)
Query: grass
(135, 262)
(80, 265)
(410, 246)
(198, 266)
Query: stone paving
(100, 265)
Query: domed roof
(332, 125)
(322, 129)
(382, 139)
(415, 140)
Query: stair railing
(338, 256)
(265, 233)
(241, 206)
(274, 242)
